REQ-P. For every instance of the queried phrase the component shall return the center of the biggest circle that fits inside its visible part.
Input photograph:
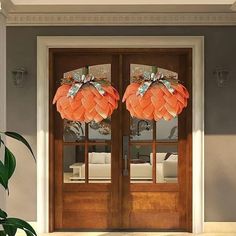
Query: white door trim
(2, 95)
(43, 45)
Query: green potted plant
(7, 168)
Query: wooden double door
(123, 173)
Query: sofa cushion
(90, 156)
(108, 158)
(170, 169)
(97, 158)
(173, 157)
(160, 157)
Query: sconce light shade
(221, 76)
(19, 76)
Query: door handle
(125, 171)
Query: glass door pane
(167, 163)
(74, 131)
(99, 157)
(87, 146)
(100, 131)
(74, 164)
(141, 129)
(167, 130)
(140, 163)
(153, 144)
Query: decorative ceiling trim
(233, 7)
(5, 6)
(122, 19)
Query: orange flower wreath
(85, 98)
(153, 96)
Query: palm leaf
(9, 230)
(9, 162)
(3, 214)
(20, 224)
(21, 139)
(2, 233)
(3, 175)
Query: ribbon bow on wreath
(80, 80)
(150, 78)
(85, 98)
(154, 96)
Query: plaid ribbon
(80, 80)
(149, 79)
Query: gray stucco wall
(220, 112)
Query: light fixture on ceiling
(221, 75)
(19, 76)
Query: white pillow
(170, 169)
(160, 156)
(173, 157)
(108, 158)
(98, 158)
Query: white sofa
(100, 168)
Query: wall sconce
(19, 76)
(221, 76)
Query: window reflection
(167, 163)
(74, 131)
(167, 130)
(99, 157)
(141, 129)
(73, 162)
(140, 165)
(100, 131)
(101, 71)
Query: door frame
(196, 43)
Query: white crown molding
(233, 7)
(6, 6)
(126, 19)
(122, 8)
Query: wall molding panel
(121, 19)
(220, 227)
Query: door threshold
(119, 233)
